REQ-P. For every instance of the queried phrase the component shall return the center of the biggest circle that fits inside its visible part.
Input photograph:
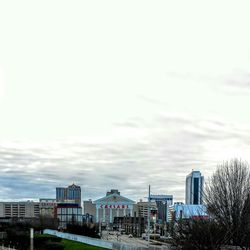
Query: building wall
(89, 208)
(194, 188)
(74, 193)
(188, 189)
(141, 208)
(108, 214)
(1, 210)
(69, 214)
(181, 211)
(47, 207)
(60, 194)
(163, 202)
(112, 205)
(27, 209)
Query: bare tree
(227, 197)
(200, 234)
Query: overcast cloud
(111, 94)
(160, 152)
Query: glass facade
(196, 191)
(69, 214)
(194, 188)
(60, 194)
(72, 192)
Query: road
(123, 238)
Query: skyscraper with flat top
(194, 188)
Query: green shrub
(42, 240)
(54, 246)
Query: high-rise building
(68, 209)
(74, 193)
(163, 202)
(61, 194)
(194, 188)
(71, 193)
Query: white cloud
(168, 150)
(110, 94)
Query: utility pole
(149, 215)
(31, 238)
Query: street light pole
(31, 238)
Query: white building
(113, 205)
(194, 188)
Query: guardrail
(6, 248)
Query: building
(113, 191)
(142, 207)
(130, 225)
(68, 213)
(89, 209)
(68, 208)
(72, 193)
(48, 207)
(194, 188)
(87, 218)
(112, 205)
(162, 202)
(171, 210)
(20, 209)
(180, 211)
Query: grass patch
(44, 236)
(42, 240)
(74, 245)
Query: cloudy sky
(120, 94)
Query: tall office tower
(194, 188)
(61, 194)
(74, 193)
(71, 193)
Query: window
(196, 190)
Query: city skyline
(120, 95)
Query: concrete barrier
(80, 238)
(102, 243)
(6, 248)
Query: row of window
(69, 211)
(70, 218)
